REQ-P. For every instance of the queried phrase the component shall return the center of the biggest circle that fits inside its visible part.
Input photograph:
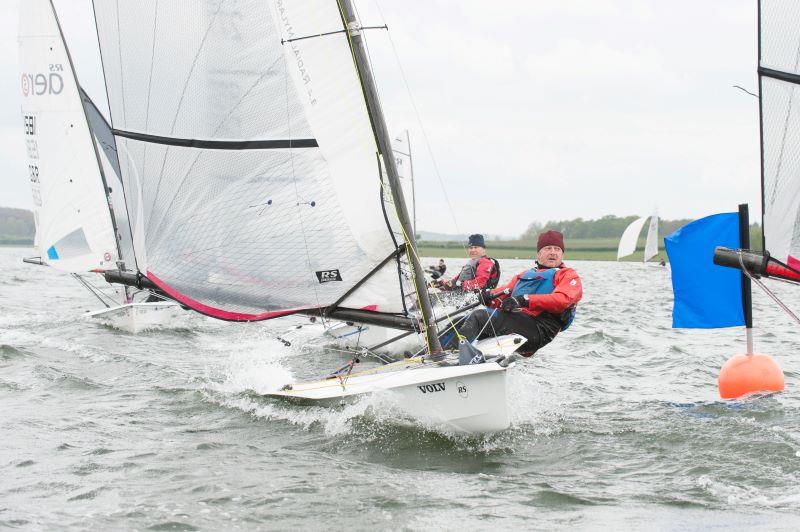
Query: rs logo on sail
(431, 388)
(327, 276)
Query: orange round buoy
(743, 374)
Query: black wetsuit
(538, 331)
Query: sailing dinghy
(253, 146)
(79, 212)
(627, 243)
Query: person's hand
(485, 296)
(512, 303)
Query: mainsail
(627, 243)
(249, 158)
(74, 227)
(779, 79)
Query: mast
(353, 27)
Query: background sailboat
(79, 210)
(630, 237)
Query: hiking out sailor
(480, 272)
(541, 301)
(437, 270)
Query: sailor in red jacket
(480, 272)
(541, 302)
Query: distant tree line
(611, 226)
(16, 225)
(608, 226)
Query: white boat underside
(137, 317)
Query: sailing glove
(513, 303)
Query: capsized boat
(259, 163)
(79, 210)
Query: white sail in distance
(74, 229)
(245, 144)
(627, 243)
(779, 78)
(651, 245)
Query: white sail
(74, 230)
(402, 156)
(779, 69)
(651, 246)
(627, 243)
(248, 156)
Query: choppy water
(615, 424)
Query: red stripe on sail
(212, 311)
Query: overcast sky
(534, 110)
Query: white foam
(749, 496)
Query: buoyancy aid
(536, 281)
(470, 270)
(495, 277)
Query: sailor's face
(550, 256)
(476, 252)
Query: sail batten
(271, 144)
(249, 161)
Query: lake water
(617, 423)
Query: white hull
(137, 317)
(468, 399)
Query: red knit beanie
(550, 238)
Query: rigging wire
(96, 293)
(418, 116)
(767, 290)
(747, 91)
(286, 80)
